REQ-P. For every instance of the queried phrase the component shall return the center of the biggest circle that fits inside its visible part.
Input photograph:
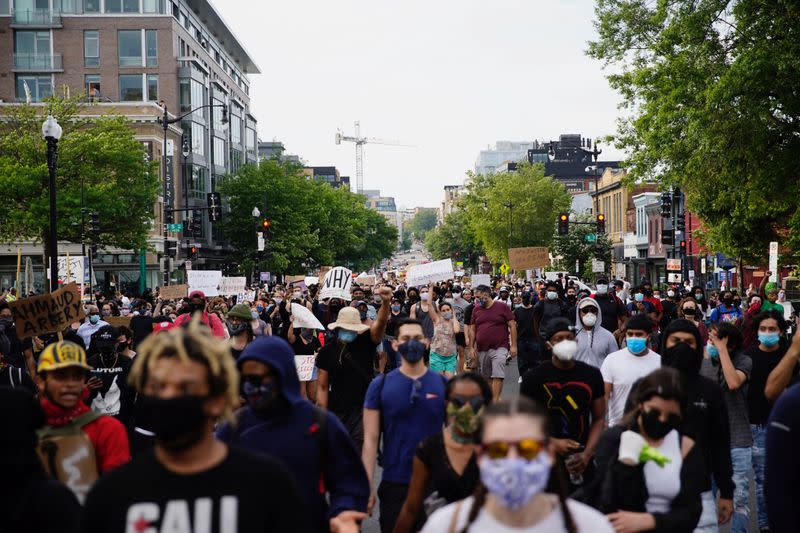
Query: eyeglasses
(585, 310)
(460, 401)
(528, 449)
(415, 392)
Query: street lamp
(185, 151)
(256, 214)
(51, 131)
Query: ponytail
(560, 486)
(479, 499)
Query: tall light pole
(595, 153)
(256, 214)
(51, 131)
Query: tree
(574, 247)
(710, 89)
(454, 239)
(119, 183)
(536, 199)
(422, 222)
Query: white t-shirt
(664, 482)
(621, 369)
(586, 520)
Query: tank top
(444, 340)
(664, 483)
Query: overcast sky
(449, 77)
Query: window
(151, 47)
(219, 152)
(198, 139)
(197, 184)
(122, 6)
(216, 113)
(91, 6)
(40, 87)
(92, 84)
(130, 88)
(236, 124)
(32, 49)
(236, 160)
(130, 48)
(151, 6)
(197, 97)
(152, 87)
(91, 48)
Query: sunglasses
(586, 310)
(528, 449)
(415, 392)
(476, 402)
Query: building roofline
(220, 29)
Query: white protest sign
(305, 366)
(204, 280)
(429, 272)
(481, 279)
(246, 296)
(232, 286)
(337, 284)
(598, 267)
(77, 265)
(304, 318)
(311, 280)
(773, 261)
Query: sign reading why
(429, 273)
(174, 292)
(205, 280)
(530, 257)
(47, 313)
(337, 284)
(232, 286)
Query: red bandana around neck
(59, 416)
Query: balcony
(35, 18)
(30, 62)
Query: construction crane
(360, 141)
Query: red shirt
(209, 319)
(656, 303)
(491, 326)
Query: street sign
(590, 237)
(504, 269)
(598, 267)
(261, 243)
(175, 227)
(674, 264)
(187, 264)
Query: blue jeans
(759, 454)
(742, 459)
(708, 518)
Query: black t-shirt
(350, 368)
(612, 308)
(567, 395)
(758, 406)
(11, 376)
(547, 310)
(235, 352)
(301, 348)
(115, 397)
(141, 326)
(524, 318)
(468, 313)
(244, 493)
(394, 320)
(443, 478)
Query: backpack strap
(72, 428)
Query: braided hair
(521, 405)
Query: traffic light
(265, 224)
(94, 222)
(214, 201)
(194, 251)
(666, 204)
(563, 224)
(169, 215)
(681, 223)
(197, 221)
(667, 237)
(172, 248)
(601, 223)
(93, 250)
(683, 246)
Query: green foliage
(537, 199)
(312, 224)
(118, 181)
(710, 92)
(422, 223)
(574, 247)
(454, 239)
(405, 243)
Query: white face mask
(424, 296)
(589, 319)
(602, 289)
(565, 350)
(671, 294)
(552, 295)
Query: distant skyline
(450, 78)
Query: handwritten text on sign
(337, 284)
(429, 273)
(529, 257)
(232, 286)
(305, 366)
(205, 280)
(47, 313)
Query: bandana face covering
(515, 481)
(466, 421)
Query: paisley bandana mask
(515, 481)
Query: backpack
(68, 455)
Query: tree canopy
(574, 247)
(119, 183)
(422, 222)
(454, 239)
(710, 94)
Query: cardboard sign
(47, 313)
(337, 284)
(305, 366)
(293, 279)
(205, 280)
(529, 257)
(366, 280)
(481, 279)
(174, 292)
(118, 321)
(232, 286)
(429, 273)
(304, 318)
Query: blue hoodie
(290, 435)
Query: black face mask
(178, 423)
(654, 426)
(196, 307)
(235, 329)
(683, 358)
(689, 311)
(263, 398)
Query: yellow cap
(62, 354)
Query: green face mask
(465, 421)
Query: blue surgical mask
(769, 339)
(259, 308)
(395, 308)
(94, 319)
(412, 351)
(636, 345)
(347, 336)
(639, 297)
(712, 351)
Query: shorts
(492, 363)
(443, 363)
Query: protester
(515, 464)
(622, 368)
(690, 310)
(240, 328)
(108, 387)
(188, 381)
(527, 343)
(197, 304)
(445, 466)
(310, 442)
(726, 311)
(782, 468)
(495, 338)
(125, 342)
(19, 352)
(548, 308)
(574, 395)
(613, 311)
(404, 406)
(32, 501)
(421, 311)
(647, 467)
(92, 324)
(443, 348)
(594, 342)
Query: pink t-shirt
(491, 326)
